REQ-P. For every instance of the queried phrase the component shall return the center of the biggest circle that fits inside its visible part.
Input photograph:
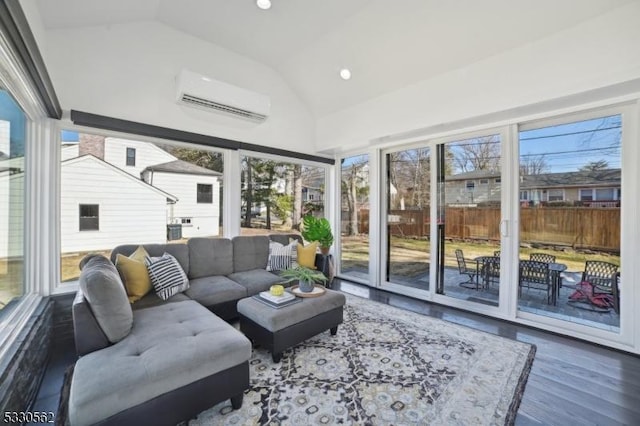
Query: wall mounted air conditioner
(206, 93)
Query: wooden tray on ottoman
(317, 291)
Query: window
(484, 181)
(131, 156)
(605, 194)
(524, 195)
(205, 193)
(12, 195)
(89, 217)
(555, 195)
(471, 185)
(586, 195)
(135, 203)
(497, 180)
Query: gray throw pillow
(103, 289)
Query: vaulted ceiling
(386, 44)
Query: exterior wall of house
(129, 211)
(204, 217)
(456, 192)
(68, 152)
(11, 222)
(147, 154)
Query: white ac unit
(206, 93)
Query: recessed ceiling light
(263, 4)
(345, 74)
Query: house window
(186, 221)
(205, 193)
(600, 194)
(497, 180)
(131, 156)
(605, 194)
(586, 195)
(524, 195)
(311, 196)
(89, 217)
(484, 181)
(555, 195)
(471, 185)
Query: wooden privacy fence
(577, 227)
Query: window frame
(130, 157)
(88, 219)
(208, 195)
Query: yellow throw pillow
(135, 276)
(140, 254)
(307, 255)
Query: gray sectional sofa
(179, 356)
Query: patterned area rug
(385, 366)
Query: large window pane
(12, 144)
(122, 191)
(469, 213)
(354, 217)
(574, 222)
(408, 210)
(276, 195)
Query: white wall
(597, 53)
(147, 154)
(130, 211)
(128, 71)
(205, 218)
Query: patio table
(555, 269)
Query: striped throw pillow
(167, 276)
(279, 257)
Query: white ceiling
(386, 44)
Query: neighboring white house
(102, 206)
(132, 208)
(198, 193)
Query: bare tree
(533, 164)
(595, 166)
(297, 197)
(478, 154)
(352, 191)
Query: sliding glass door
(469, 183)
(407, 224)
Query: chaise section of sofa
(155, 365)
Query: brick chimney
(91, 144)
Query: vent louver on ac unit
(205, 93)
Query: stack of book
(285, 299)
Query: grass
(355, 252)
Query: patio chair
(605, 278)
(496, 253)
(491, 270)
(464, 269)
(535, 275)
(542, 257)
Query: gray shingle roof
(607, 177)
(182, 167)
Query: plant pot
(305, 286)
(325, 250)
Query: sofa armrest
(88, 335)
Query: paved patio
(532, 300)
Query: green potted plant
(306, 277)
(317, 229)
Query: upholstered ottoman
(279, 329)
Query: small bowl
(276, 290)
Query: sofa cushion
(210, 291)
(135, 275)
(103, 289)
(256, 280)
(178, 250)
(167, 276)
(170, 346)
(250, 252)
(210, 256)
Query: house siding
(147, 154)
(128, 212)
(11, 219)
(205, 218)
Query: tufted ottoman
(177, 355)
(279, 329)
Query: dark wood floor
(571, 382)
